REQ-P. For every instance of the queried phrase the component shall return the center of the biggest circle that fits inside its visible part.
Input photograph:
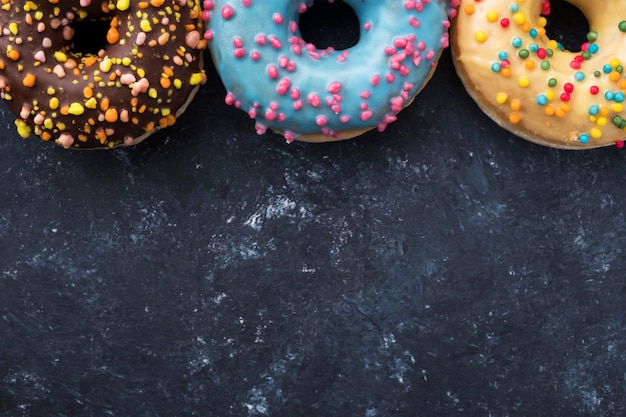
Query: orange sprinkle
(113, 35)
(104, 104)
(111, 115)
(29, 80)
(515, 118)
(13, 54)
(165, 82)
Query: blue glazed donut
(317, 95)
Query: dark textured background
(443, 268)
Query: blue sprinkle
(517, 42)
(609, 95)
(579, 76)
(593, 48)
(619, 97)
(607, 68)
(533, 47)
(514, 8)
(542, 100)
(594, 109)
(503, 55)
(533, 33)
(583, 138)
(496, 67)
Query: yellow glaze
(534, 88)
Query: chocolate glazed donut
(139, 79)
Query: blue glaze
(357, 105)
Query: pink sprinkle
(239, 53)
(366, 115)
(237, 42)
(272, 71)
(295, 94)
(367, 26)
(344, 119)
(260, 39)
(399, 43)
(297, 105)
(321, 120)
(334, 87)
(255, 55)
(314, 100)
(375, 80)
(278, 18)
(283, 86)
(390, 77)
(365, 94)
(228, 12)
(289, 137)
(275, 42)
(414, 22)
(270, 115)
(247, 3)
(230, 99)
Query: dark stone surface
(443, 268)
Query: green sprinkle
(592, 36)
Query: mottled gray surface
(443, 268)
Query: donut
(317, 95)
(531, 85)
(145, 68)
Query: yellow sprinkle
(76, 109)
(23, 129)
(519, 18)
(145, 25)
(105, 65)
(615, 62)
(152, 93)
(195, 79)
(492, 16)
(122, 4)
(523, 81)
(501, 98)
(13, 28)
(481, 36)
(60, 56)
(92, 103)
(595, 133)
(54, 103)
(542, 22)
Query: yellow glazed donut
(533, 87)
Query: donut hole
(567, 25)
(330, 24)
(90, 36)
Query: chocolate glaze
(139, 82)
